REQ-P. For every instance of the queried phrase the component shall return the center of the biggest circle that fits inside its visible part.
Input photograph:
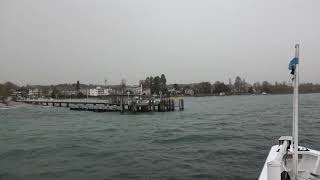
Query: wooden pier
(114, 103)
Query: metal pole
(295, 120)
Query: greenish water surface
(223, 138)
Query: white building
(134, 89)
(34, 93)
(98, 91)
(139, 90)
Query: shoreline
(208, 95)
(10, 104)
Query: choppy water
(214, 138)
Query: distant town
(151, 86)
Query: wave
(12, 107)
(164, 131)
(193, 138)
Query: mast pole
(296, 115)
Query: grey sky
(57, 41)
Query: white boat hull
(308, 164)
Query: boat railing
(275, 167)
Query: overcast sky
(58, 41)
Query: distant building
(134, 89)
(67, 92)
(189, 92)
(23, 91)
(138, 90)
(172, 91)
(84, 91)
(98, 91)
(146, 91)
(15, 93)
(34, 93)
(131, 89)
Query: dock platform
(114, 104)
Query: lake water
(223, 138)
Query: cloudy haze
(57, 41)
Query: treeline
(157, 84)
(7, 89)
(240, 86)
